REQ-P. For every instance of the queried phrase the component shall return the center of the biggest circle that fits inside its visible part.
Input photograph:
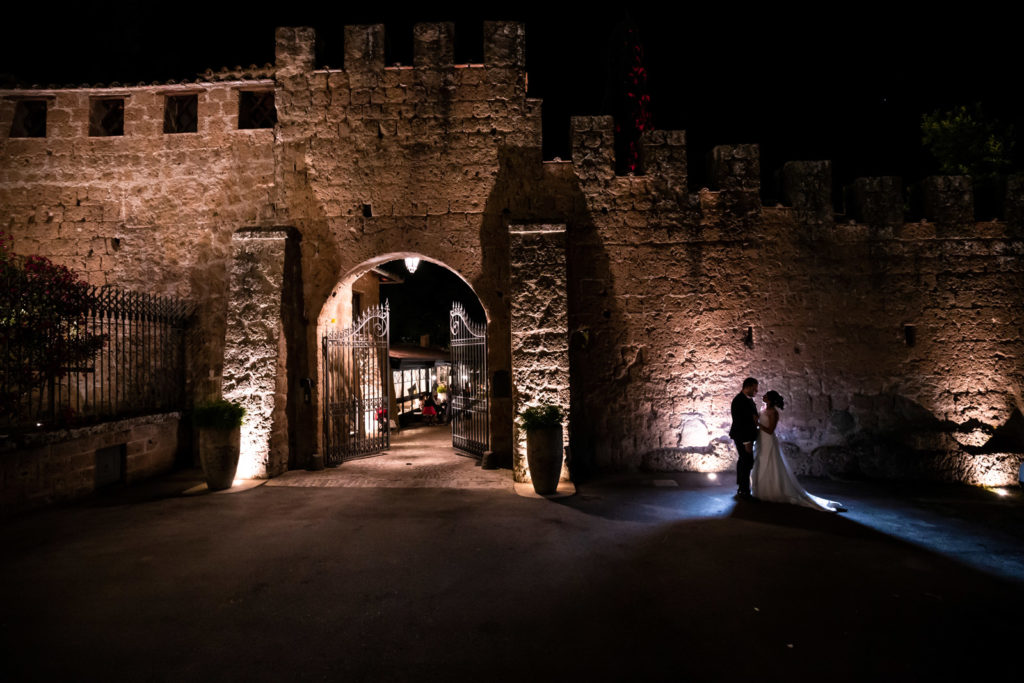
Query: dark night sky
(847, 85)
(421, 302)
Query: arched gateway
(381, 174)
(358, 397)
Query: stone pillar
(255, 370)
(540, 328)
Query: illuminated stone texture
(897, 344)
(255, 354)
(540, 334)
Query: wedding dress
(772, 481)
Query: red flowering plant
(43, 335)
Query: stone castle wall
(896, 344)
(143, 210)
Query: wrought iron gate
(468, 382)
(355, 400)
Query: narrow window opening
(367, 211)
(29, 119)
(256, 109)
(181, 114)
(748, 338)
(909, 335)
(106, 117)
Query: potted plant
(543, 425)
(219, 422)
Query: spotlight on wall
(712, 476)
(411, 264)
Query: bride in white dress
(771, 479)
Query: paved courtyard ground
(342, 575)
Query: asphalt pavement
(452, 576)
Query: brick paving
(418, 458)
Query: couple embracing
(761, 464)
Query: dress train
(772, 481)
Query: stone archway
(272, 343)
(358, 284)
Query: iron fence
(135, 363)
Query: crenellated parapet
(593, 149)
(433, 45)
(735, 193)
(807, 187)
(660, 188)
(505, 44)
(294, 50)
(736, 169)
(876, 202)
(949, 202)
(364, 49)
(663, 156)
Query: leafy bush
(965, 141)
(219, 414)
(43, 335)
(541, 417)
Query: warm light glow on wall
(252, 458)
(992, 470)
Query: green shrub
(219, 414)
(541, 417)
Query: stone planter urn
(544, 455)
(218, 451)
(220, 428)
(543, 425)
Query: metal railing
(138, 369)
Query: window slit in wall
(181, 114)
(29, 119)
(256, 109)
(106, 117)
(909, 335)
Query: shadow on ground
(633, 579)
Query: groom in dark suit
(743, 433)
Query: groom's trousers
(743, 466)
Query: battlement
(377, 103)
(433, 47)
(662, 152)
